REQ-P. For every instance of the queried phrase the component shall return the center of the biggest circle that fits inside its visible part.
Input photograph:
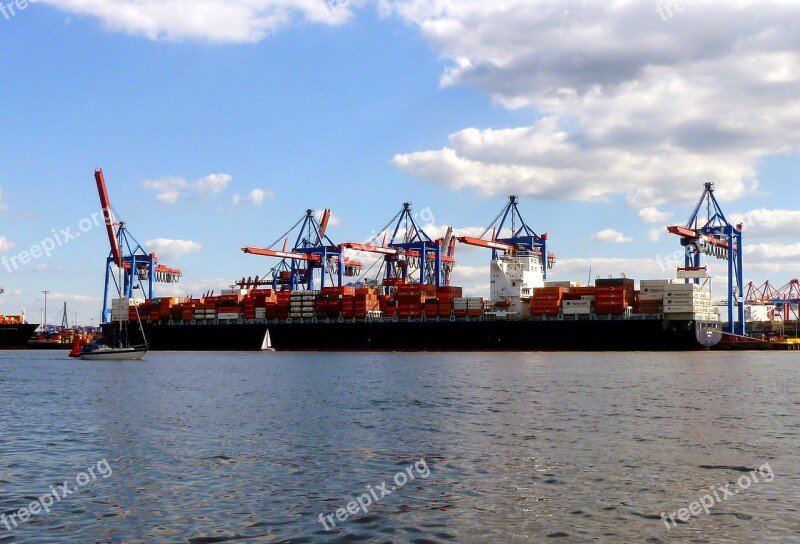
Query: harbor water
(276, 447)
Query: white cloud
(218, 21)
(214, 183)
(172, 249)
(652, 214)
(630, 104)
(464, 274)
(772, 251)
(170, 189)
(256, 197)
(654, 235)
(438, 231)
(6, 244)
(771, 223)
(611, 236)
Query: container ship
(521, 315)
(15, 332)
(410, 304)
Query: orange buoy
(77, 346)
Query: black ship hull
(16, 336)
(445, 335)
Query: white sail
(266, 345)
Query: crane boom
(323, 225)
(116, 252)
(280, 254)
(471, 241)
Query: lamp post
(44, 325)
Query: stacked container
(613, 296)
(120, 309)
(578, 301)
(447, 297)
(688, 301)
(411, 298)
(650, 298)
(547, 300)
(301, 304)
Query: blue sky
(605, 118)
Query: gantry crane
(313, 250)
(522, 237)
(411, 248)
(138, 268)
(786, 299)
(715, 237)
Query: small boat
(101, 352)
(267, 344)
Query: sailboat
(120, 352)
(266, 345)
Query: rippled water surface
(520, 447)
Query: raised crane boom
(116, 252)
(140, 268)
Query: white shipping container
(565, 284)
(233, 292)
(577, 304)
(679, 308)
(651, 297)
(228, 316)
(684, 287)
(588, 297)
(655, 283)
(575, 310)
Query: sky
(218, 123)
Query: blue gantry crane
(522, 237)
(313, 251)
(720, 239)
(410, 248)
(138, 269)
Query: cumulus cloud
(6, 244)
(256, 197)
(220, 21)
(652, 214)
(654, 235)
(170, 189)
(769, 222)
(173, 249)
(611, 236)
(628, 104)
(772, 251)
